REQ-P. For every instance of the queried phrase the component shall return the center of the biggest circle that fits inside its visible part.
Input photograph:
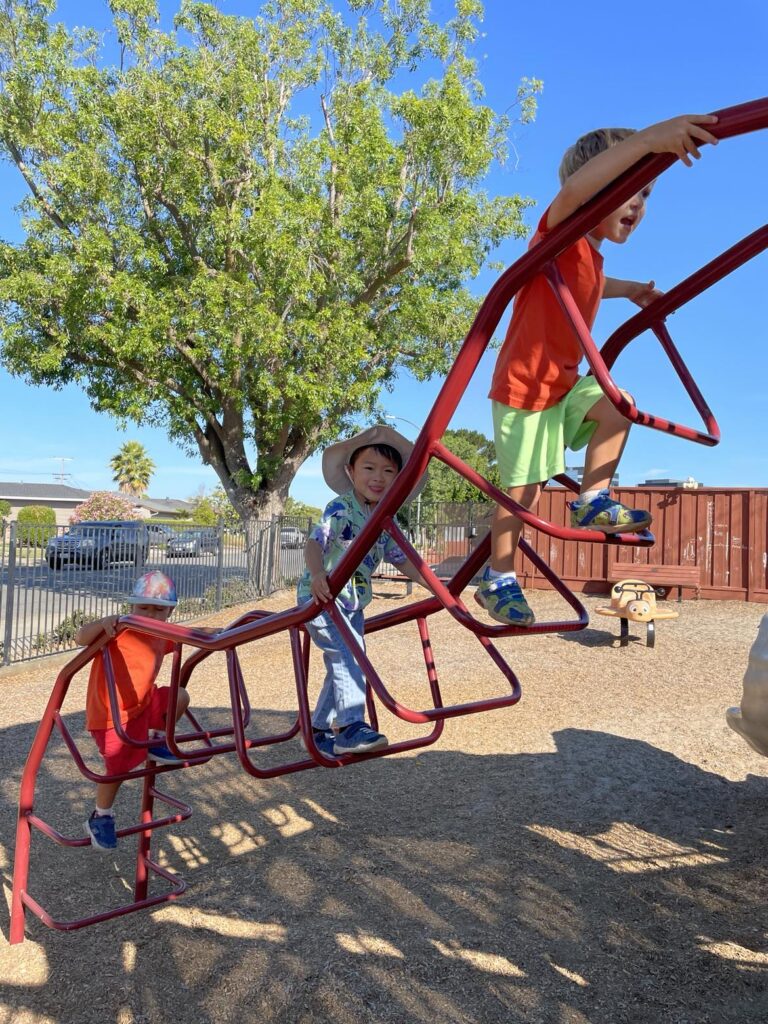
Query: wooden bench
(661, 577)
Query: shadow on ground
(603, 882)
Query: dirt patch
(595, 855)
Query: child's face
(619, 225)
(153, 611)
(372, 475)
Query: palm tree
(132, 469)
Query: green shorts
(530, 446)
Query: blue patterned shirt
(342, 521)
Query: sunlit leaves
(242, 228)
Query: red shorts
(120, 757)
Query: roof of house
(50, 492)
(161, 505)
(14, 490)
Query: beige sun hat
(336, 457)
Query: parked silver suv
(96, 545)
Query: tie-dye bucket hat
(154, 588)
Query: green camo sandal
(609, 516)
(504, 601)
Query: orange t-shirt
(136, 659)
(539, 360)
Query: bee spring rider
(635, 600)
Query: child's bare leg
(105, 794)
(506, 528)
(160, 751)
(182, 702)
(595, 509)
(605, 447)
(498, 591)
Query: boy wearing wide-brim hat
(361, 470)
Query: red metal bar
(179, 886)
(733, 121)
(739, 254)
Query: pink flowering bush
(104, 505)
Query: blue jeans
(342, 697)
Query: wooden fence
(722, 530)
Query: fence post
(219, 566)
(270, 574)
(9, 596)
(258, 560)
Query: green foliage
(445, 485)
(104, 505)
(64, 634)
(243, 230)
(35, 525)
(5, 509)
(225, 511)
(204, 514)
(298, 509)
(132, 468)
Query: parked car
(159, 534)
(192, 542)
(97, 545)
(291, 537)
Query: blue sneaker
(503, 599)
(323, 741)
(163, 755)
(359, 738)
(101, 829)
(609, 516)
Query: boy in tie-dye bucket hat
(136, 659)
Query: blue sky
(627, 65)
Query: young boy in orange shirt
(540, 404)
(136, 661)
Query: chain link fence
(52, 579)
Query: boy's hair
(589, 146)
(385, 450)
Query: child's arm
(91, 631)
(639, 292)
(318, 583)
(680, 135)
(408, 569)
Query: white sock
(494, 575)
(589, 495)
(104, 812)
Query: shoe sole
(629, 528)
(505, 622)
(362, 748)
(95, 844)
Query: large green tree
(244, 227)
(132, 468)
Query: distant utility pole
(62, 476)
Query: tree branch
(26, 174)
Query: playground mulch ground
(595, 855)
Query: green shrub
(36, 524)
(5, 509)
(66, 630)
(64, 634)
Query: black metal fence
(50, 585)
